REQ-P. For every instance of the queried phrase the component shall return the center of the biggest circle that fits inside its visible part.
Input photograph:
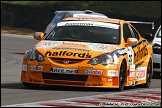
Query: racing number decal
(130, 56)
(140, 51)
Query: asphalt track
(13, 92)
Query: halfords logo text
(65, 53)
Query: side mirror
(131, 41)
(38, 36)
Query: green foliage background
(37, 14)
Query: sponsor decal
(47, 44)
(130, 56)
(85, 67)
(73, 45)
(102, 47)
(94, 72)
(66, 53)
(64, 70)
(94, 84)
(141, 73)
(130, 53)
(98, 47)
(44, 64)
(109, 79)
(78, 49)
(24, 67)
(131, 74)
(35, 68)
(112, 73)
(140, 50)
(132, 71)
(79, 23)
(89, 23)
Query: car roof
(80, 12)
(96, 19)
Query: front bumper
(81, 79)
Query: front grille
(71, 61)
(156, 65)
(69, 77)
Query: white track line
(94, 98)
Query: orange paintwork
(101, 78)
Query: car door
(140, 49)
(137, 53)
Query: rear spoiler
(152, 23)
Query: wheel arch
(148, 59)
(126, 63)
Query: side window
(58, 17)
(134, 33)
(126, 32)
(67, 15)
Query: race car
(89, 52)
(156, 45)
(59, 15)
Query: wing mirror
(131, 41)
(38, 36)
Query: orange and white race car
(89, 52)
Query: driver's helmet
(76, 32)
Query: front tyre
(148, 75)
(30, 85)
(122, 76)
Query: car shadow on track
(63, 88)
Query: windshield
(107, 33)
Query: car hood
(71, 49)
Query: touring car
(59, 15)
(156, 45)
(89, 52)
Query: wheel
(122, 76)
(148, 75)
(30, 85)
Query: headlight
(103, 59)
(156, 48)
(33, 54)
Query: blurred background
(36, 15)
